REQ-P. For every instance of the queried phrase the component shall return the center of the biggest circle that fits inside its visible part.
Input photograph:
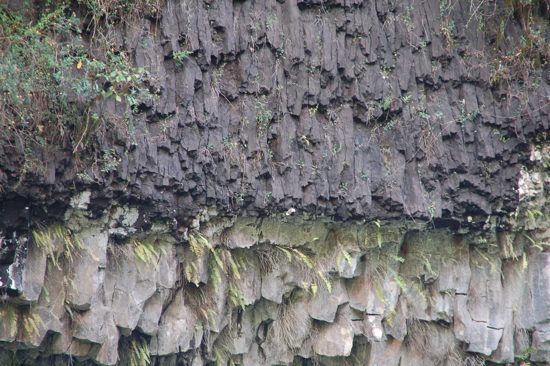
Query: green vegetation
(57, 241)
(32, 324)
(52, 79)
(139, 352)
(179, 56)
(35, 63)
(263, 114)
(145, 252)
(222, 263)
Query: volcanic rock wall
(314, 182)
(277, 290)
(362, 109)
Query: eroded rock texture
(343, 182)
(349, 109)
(279, 290)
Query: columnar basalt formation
(307, 182)
(278, 290)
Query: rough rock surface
(316, 183)
(347, 109)
(279, 299)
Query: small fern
(51, 238)
(301, 257)
(325, 279)
(139, 352)
(13, 317)
(222, 262)
(145, 252)
(32, 324)
(400, 281)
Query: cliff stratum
(249, 182)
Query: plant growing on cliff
(139, 352)
(11, 317)
(33, 104)
(32, 323)
(263, 115)
(291, 327)
(223, 262)
(465, 116)
(145, 252)
(315, 271)
(57, 240)
(221, 350)
(199, 299)
(179, 56)
(447, 27)
(49, 83)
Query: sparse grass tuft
(291, 328)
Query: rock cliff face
(334, 183)
(276, 290)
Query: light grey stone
(480, 338)
(265, 310)
(273, 286)
(166, 274)
(255, 356)
(241, 331)
(26, 275)
(371, 327)
(385, 353)
(177, 330)
(250, 283)
(541, 344)
(335, 339)
(88, 325)
(152, 311)
(46, 315)
(128, 284)
(362, 294)
(293, 232)
(442, 307)
(274, 354)
(515, 317)
(107, 353)
(540, 281)
(242, 235)
(395, 324)
(485, 302)
(81, 200)
(64, 343)
(324, 305)
(86, 271)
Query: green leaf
(46, 293)
(287, 252)
(328, 284)
(348, 257)
(303, 257)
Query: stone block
(335, 339)
(324, 305)
(177, 330)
